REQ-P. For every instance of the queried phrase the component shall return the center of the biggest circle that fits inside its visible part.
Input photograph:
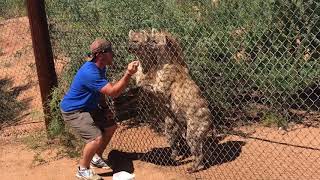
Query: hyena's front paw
(174, 154)
(197, 166)
(177, 156)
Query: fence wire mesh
(20, 103)
(228, 88)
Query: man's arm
(114, 90)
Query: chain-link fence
(20, 103)
(227, 89)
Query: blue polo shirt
(84, 92)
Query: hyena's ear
(170, 41)
(130, 34)
(153, 32)
(145, 35)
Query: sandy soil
(19, 163)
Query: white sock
(82, 168)
(96, 157)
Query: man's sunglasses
(107, 50)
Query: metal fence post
(42, 52)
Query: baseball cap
(100, 45)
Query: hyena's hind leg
(197, 129)
(173, 133)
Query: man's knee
(110, 130)
(96, 141)
(114, 127)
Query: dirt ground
(18, 162)
(268, 153)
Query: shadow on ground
(215, 154)
(10, 107)
(119, 161)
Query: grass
(66, 145)
(36, 141)
(36, 114)
(12, 8)
(38, 159)
(271, 119)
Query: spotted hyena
(163, 72)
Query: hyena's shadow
(222, 153)
(214, 153)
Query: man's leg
(88, 152)
(106, 137)
(83, 123)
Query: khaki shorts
(89, 125)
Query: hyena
(163, 71)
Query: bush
(12, 8)
(239, 52)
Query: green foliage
(65, 143)
(56, 125)
(271, 119)
(57, 129)
(12, 8)
(35, 141)
(239, 52)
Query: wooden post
(42, 52)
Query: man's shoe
(99, 163)
(87, 174)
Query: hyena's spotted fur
(163, 72)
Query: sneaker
(87, 174)
(99, 163)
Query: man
(84, 107)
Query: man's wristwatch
(102, 107)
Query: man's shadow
(214, 154)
